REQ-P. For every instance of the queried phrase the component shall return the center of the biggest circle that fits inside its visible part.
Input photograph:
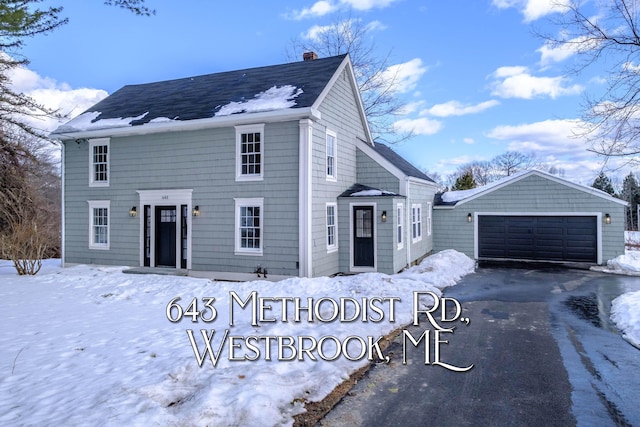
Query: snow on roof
(275, 98)
(456, 196)
(89, 121)
(372, 192)
(452, 197)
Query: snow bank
(627, 263)
(625, 313)
(93, 346)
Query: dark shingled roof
(197, 97)
(356, 188)
(399, 162)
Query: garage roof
(455, 198)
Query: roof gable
(456, 198)
(393, 162)
(289, 86)
(400, 162)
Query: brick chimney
(309, 56)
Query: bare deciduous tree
(377, 81)
(501, 166)
(29, 202)
(608, 35)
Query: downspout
(62, 228)
(304, 199)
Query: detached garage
(533, 216)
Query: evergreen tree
(602, 182)
(465, 181)
(631, 194)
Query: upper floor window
(332, 227)
(99, 162)
(249, 152)
(416, 222)
(331, 155)
(99, 224)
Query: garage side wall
(535, 195)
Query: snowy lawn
(93, 346)
(625, 310)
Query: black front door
(166, 236)
(363, 236)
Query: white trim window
(332, 158)
(99, 162)
(250, 152)
(429, 210)
(332, 227)
(99, 223)
(416, 222)
(249, 226)
(399, 225)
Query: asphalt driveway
(544, 353)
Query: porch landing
(169, 271)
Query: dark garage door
(549, 238)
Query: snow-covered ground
(94, 346)
(625, 310)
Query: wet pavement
(544, 352)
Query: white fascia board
(195, 124)
(346, 63)
(562, 181)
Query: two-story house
(218, 174)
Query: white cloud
(455, 108)
(469, 141)
(421, 126)
(53, 95)
(367, 4)
(533, 9)
(319, 8)
(325, 7)
(405, 75)
(411, 107)
(548, 137)
(550, 54)
(516, 82)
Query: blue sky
(476, 80)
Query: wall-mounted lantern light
(196, 211)
(607, 219)
(469, 217)
(133, 212)
(384, 216)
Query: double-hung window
(429, 209)
(249, 226)
(332, 227)
(99, 224)
(249, 152)
(399, 223)
(332, 148)
(416, 222)
(99, 162)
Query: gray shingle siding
(200, 160)
(372, 174)
(340, 115)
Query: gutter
(189, 125)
